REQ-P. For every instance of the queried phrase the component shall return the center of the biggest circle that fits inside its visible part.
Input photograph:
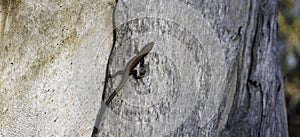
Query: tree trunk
(51, 57)
(214, 69)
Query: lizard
(132, 63)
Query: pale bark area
(53, 55)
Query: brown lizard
(126, 73)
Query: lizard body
(125, 75)
(129, 68)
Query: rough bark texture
(207, 88)
(258, 107)
(214, 69)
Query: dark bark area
(258, 106)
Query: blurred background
(289, 40)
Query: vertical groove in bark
(259, 93)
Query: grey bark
(220, 79)
(213, 71)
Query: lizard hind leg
(120, 72)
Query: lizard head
(147, 48)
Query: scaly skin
(129, 68)
(126, 72)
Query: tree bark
(214, 70)
(51, 57)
